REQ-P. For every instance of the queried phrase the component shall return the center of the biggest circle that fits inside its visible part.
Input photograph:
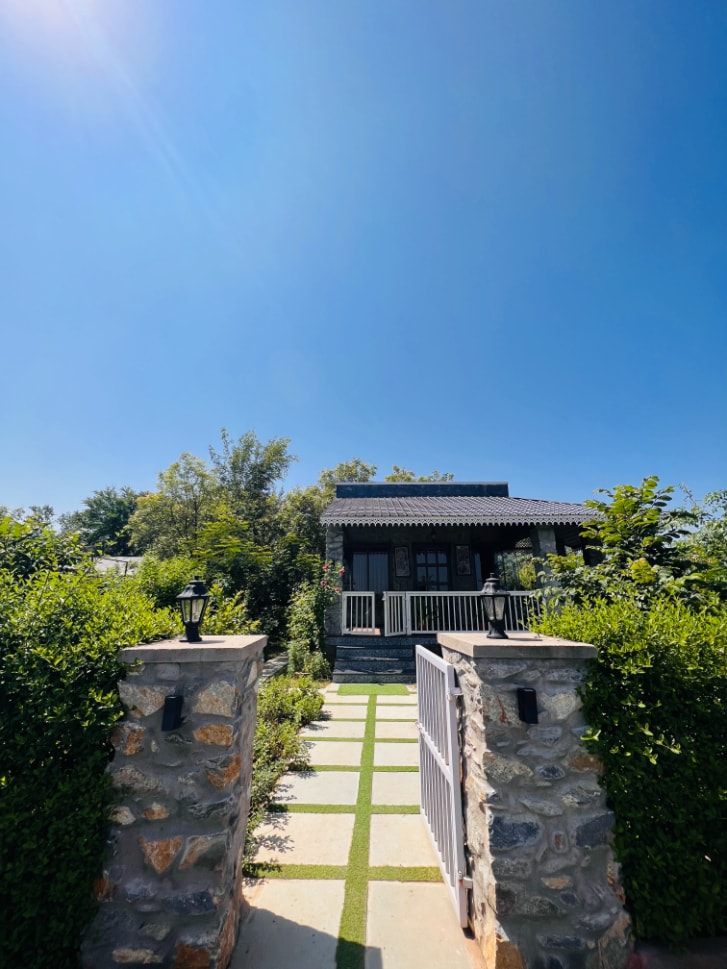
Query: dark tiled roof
(453, 510)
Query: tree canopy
(645, 547)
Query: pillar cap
(212, 649)
(518, 645)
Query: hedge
(656, 704)
(60, 632)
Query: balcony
(428, 613)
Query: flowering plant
(307, 616)
(332, 579)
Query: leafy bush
(285, 704)
(164, 579)
(656, 705)
(60, 632)
(644, 550)
(307, 622)
(228, 615)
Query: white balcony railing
(359, 612)
(409, 613)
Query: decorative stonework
(170, 894)
(334, 553)
(546, 892)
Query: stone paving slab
(335, 728)
(324, 787)
(305, 839)
(290, 924)
(400, 730)
(434, 939)
(401, 840)
(396, 755)
(389, 787)
(343, 711)
(335, 753)
(294, 923)
(396, 713)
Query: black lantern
(494, 598)
(192, 604)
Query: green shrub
(285, 704)
(164, 579)
(307, 622)
(228, 615)
(60, 632)
(656, 706)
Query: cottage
(417, 553)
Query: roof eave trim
(399, 522)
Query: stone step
(368, 652)
(382, 641)
(382, 665)
(349, 676)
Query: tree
(36, 514)
(102, 524)
(640, 545)
(301, 510)
(403, 474)
(248, 474)
(706, 546)
(355, 470)
(168, 520)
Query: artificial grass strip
(372, 689)
(393, 873)
(268, 870)
(351, 948)
(346, 767)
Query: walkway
(353, 881)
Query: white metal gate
(439, 760)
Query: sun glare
(60, 28)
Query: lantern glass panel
(499, 607)
(196, 609)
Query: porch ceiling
(454, 510)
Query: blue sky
(483, 237)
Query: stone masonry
(546, 890)
(170, 893)
(334, 553)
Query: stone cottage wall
(170, 894)
(334, 552)
(546, 891)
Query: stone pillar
(546, 891)
(171, 894)
(334, 552)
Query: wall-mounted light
(192, 604)
(494, 598)
(172, 713)
(527, 704)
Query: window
(370, 571)
(432, 570)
